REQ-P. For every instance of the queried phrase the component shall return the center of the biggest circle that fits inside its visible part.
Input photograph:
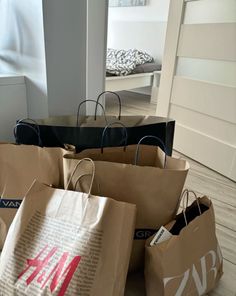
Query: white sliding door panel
(207, 150)
(222, 11)
(201, 92)
(195, 42)
(218, 129)
(201, 96)
(222, 72)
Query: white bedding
(122, 62)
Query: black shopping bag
(86, 131)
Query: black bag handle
(152, 137)
(22, 122)
(105, 130)
(25, 120)
(88, 100)
(111, 92)
(28, 119)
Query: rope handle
(74, 170)
(111, 92)
(105, 130)
(97, 103)
(22, 122)
(185, 198)
(152, 137)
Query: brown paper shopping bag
(190, 261)
(67, 243)
(20, 165)
(154, 187)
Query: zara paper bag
(190, 261)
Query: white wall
(13, 104)
(75, 41)
(207, 69)
(141, 27)
(65, 42)
(146, 36)
(22, 49)
(96, 49)
(155, 10)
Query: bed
(128, 69)
(118, 83)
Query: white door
(198, 82)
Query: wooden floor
(132, 104)
(203, 181)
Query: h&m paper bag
(154, 187)
(20, 165)
(67, 243)
(190, 261)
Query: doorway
(140, 28)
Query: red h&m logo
(57, 273)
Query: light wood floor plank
(203, 170)
(220, 191)
(132, 104)
(227, 284)
(227, 242)
(225, 214)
